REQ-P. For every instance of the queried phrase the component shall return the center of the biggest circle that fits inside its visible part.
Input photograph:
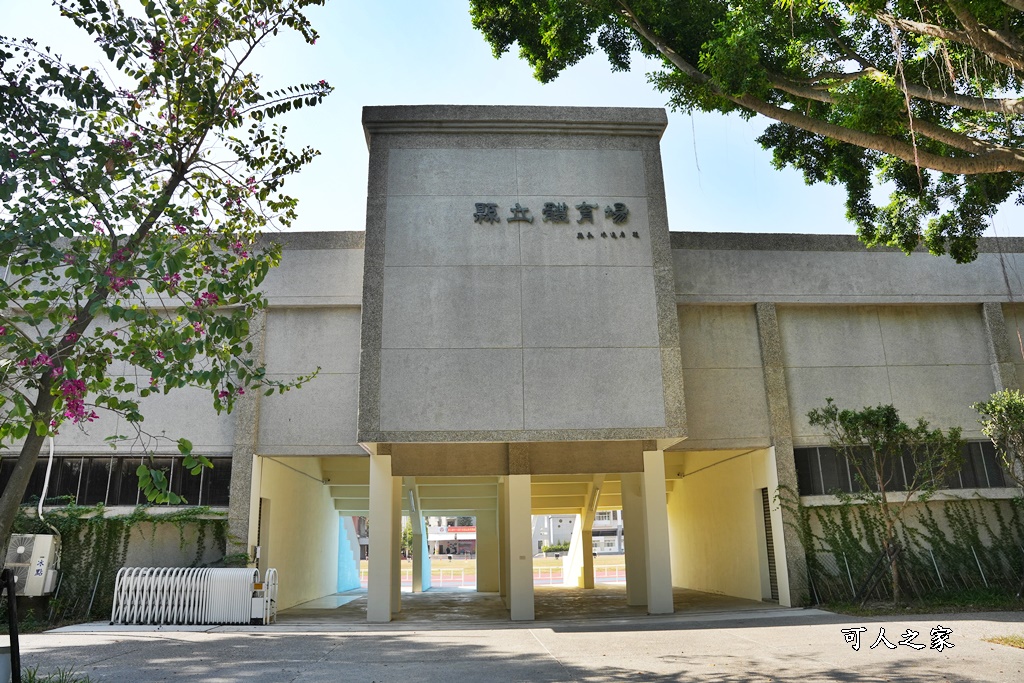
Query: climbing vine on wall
(94, 545)
(954, 547)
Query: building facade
(518, 333)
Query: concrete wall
(865, 327)
(714, 514)
(722, 377)
(505, 330)
(320, 417)
(1014, 316)
(929, 361)
(303, 529)
(743, 268)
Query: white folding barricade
(180, 595)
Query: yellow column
(659, 561)
(503, 554)
(520, 546)
(396, 552)
(487, 553)
(634, 537)
(383, 540)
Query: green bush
(556, 548)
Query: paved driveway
(765, 645)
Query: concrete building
(606, 535)
(517, 333)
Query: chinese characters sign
(939, 638)
(616, 213)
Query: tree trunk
(897, 595)
(10, 500)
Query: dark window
(64, 480)
(217, 482)
(993, 465)
(830, 467)
(822, 470)
(807, 475)
(186, 484)
(35, 483)
(113, 480)
(95, 479)
(124, 482)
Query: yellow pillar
(383, 539)
(487, 554)
(634, 536)
(659, 561)
(396, 553)
(520, 547)
(503, 555)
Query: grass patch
(32, 675)
(981, 600)
(1012, 641)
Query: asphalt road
(768, 645)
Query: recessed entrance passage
(468, 608)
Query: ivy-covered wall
(948, 547)
(95, 543)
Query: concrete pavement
(764, 645)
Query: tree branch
(995, 161)
(981, 40)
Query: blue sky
(427, 52)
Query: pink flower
(183, 19)
(160, 355)
(172, 280)
(206, 299)
(322, 83)
(73, 391)
(241, 391)
(223, 394)
(180, 229)
(3, 331)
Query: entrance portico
(518, 323)
(403, 476)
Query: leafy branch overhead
(922, 95)
(132, 198)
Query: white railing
(610, 571)
(451, 571)
(177, 595)
(268, 598)
(553, 574)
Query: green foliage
(855, 88)
(407, 547)
(94, 546)
(556, 548)
(69, 675)
(1003, 422)
(133, 197)
(894, 465)
(958, 551)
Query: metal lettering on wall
(616, 213)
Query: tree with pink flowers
(132, 199)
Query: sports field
(460, 571)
